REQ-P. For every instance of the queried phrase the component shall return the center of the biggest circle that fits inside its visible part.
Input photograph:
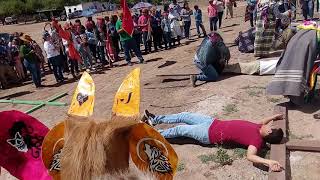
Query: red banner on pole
(127, 22)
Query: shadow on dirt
(167, 63)
(174, 80)
(231, 26)
(154, 59)
(15, 95)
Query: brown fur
(132, 174)
(93, 149)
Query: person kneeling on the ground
(211, 58)
(208, 130)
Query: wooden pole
(303, 145)
(278, 151)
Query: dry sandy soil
(231, 97)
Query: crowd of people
(20, 55)
(75, 46)
(98, 43)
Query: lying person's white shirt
(268, 66)
(265, 66)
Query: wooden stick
(282, 123)
(278, 151)
(303, 145)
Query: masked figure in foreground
(83, 148)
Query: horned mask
(83, 148)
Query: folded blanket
(295, 65)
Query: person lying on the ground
(261, 67)
(209, 130)
(210, 59)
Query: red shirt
(238, 131)
(212, 10)
(143, 23)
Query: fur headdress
(86, 149)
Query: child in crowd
(85, 52)
(165, 25)
(213, 15)
(198, 18)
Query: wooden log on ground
(282, 123)
(278, 151)
(303, 145)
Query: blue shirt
(91, 37)
(198, 15)
(252, 2)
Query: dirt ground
(231, 97)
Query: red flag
(127, 22)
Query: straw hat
(26, 38)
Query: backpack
(213, 51)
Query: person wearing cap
(30, 60)
(54, 57)
(127, 42)
(198, 18)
